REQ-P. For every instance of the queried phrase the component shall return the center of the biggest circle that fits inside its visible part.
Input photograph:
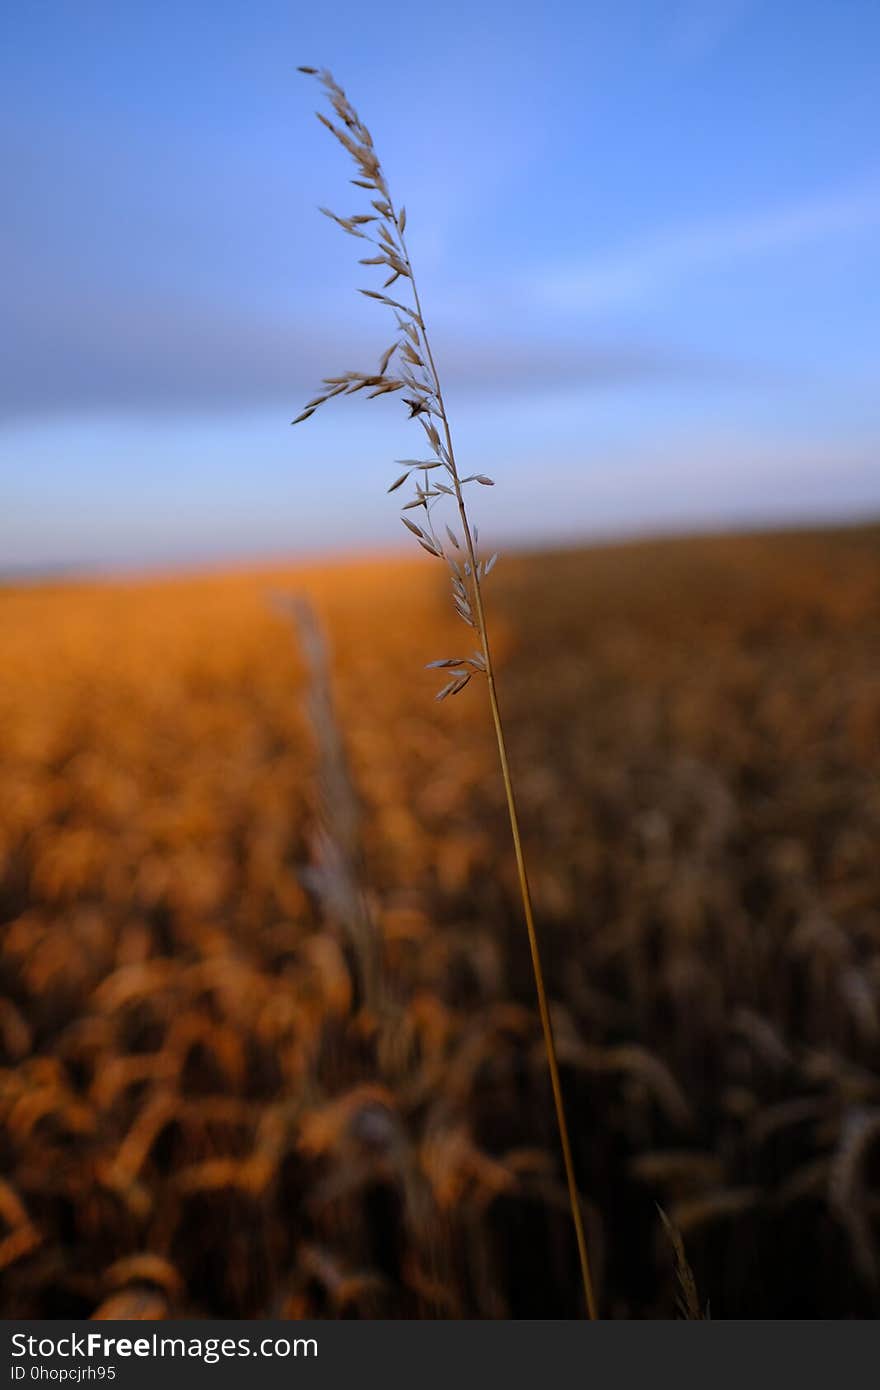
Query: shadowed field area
(269, 1044)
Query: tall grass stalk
(408, 365)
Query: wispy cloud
(158, 356)
(649, 268)
(699, 28)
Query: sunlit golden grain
(200, 1114)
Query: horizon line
(98, 572)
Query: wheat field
(205, 1109)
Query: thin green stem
(525, 892)
(357, 140)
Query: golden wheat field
(269, 1041)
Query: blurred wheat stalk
(436, 478)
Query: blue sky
(646, 235)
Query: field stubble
(201, 1113)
